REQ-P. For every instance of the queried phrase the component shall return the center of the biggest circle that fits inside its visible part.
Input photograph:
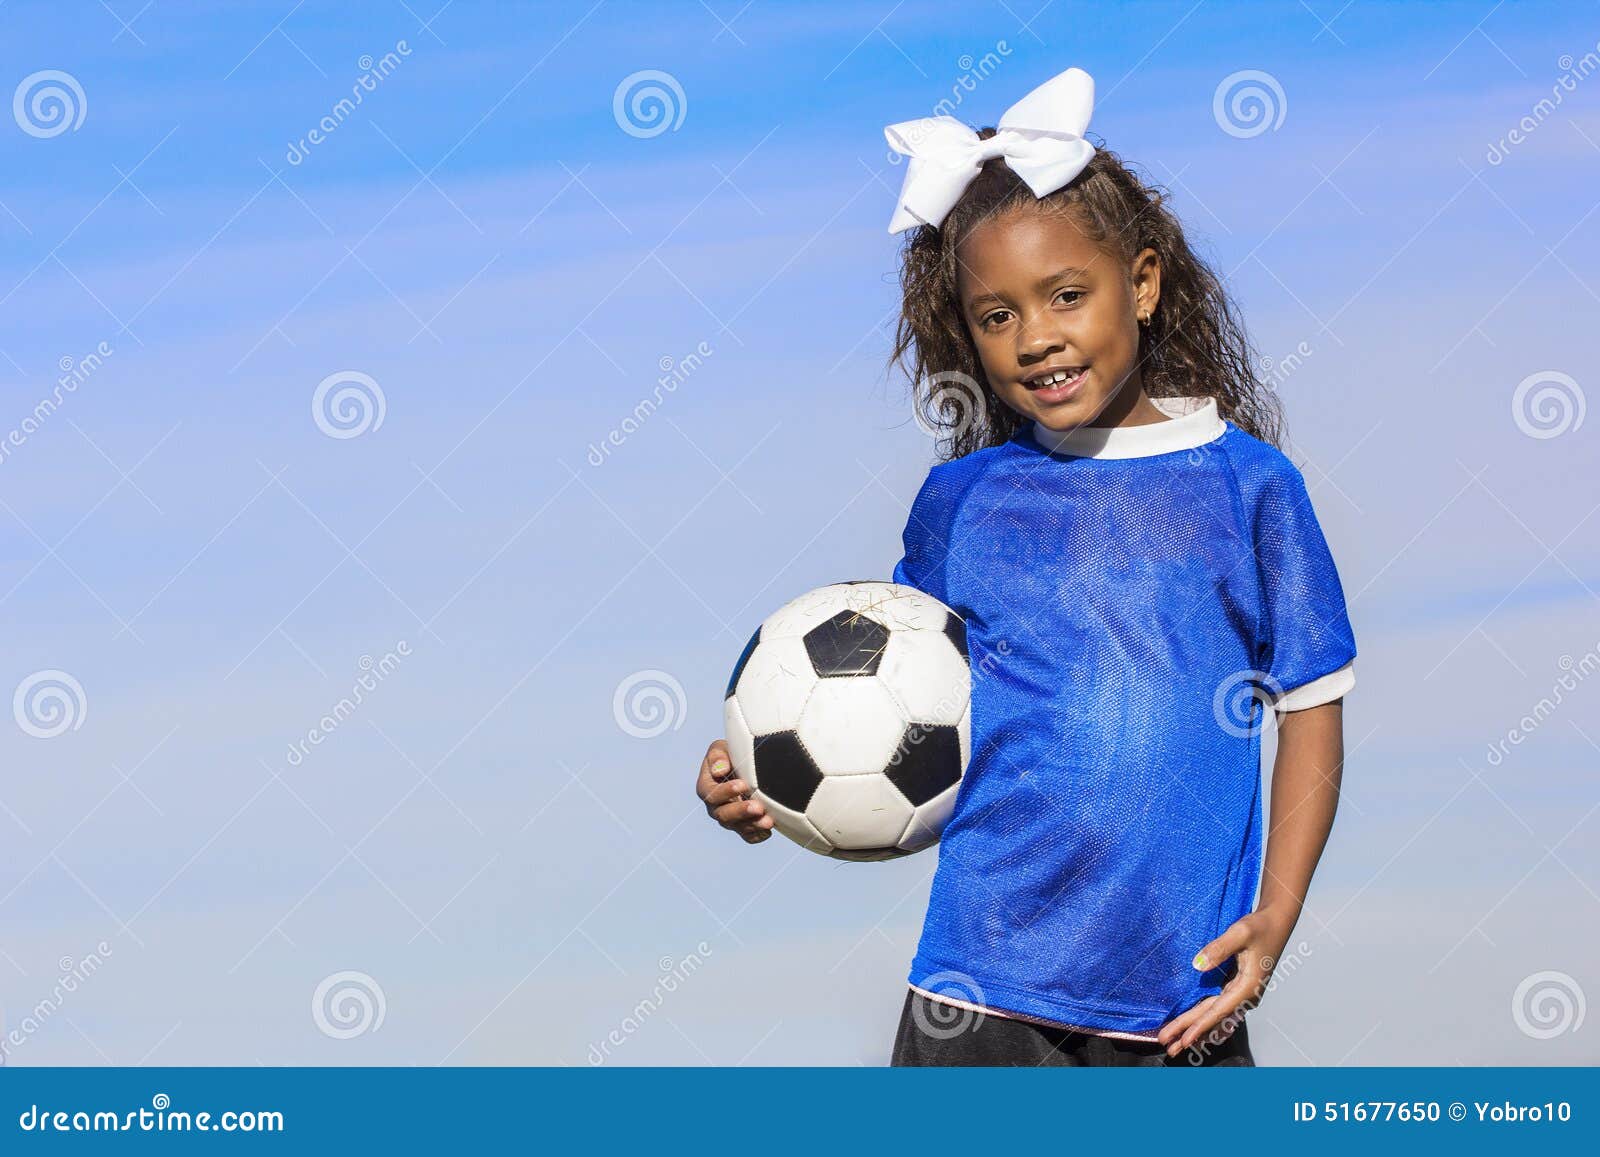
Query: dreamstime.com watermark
(673, 974)
(49, 703)
(1574, 672)
(373, 73)
(348, 404)
(159, 1118)
(1548, 404)
(373, 672)
(955, 403)
(648, 103)
(74, 372)
(974, 71)
(348, 1004)
(674, 372)
(1236, 698)
(1548, 1004)
(956, 1004)
(74, 974)
(1248, 103)
(1285, 966)
(948, 703)
(1572, 72)
(649, 703)
(1276, 371)
(49, 103)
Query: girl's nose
(1036, 340)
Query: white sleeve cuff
(1319, 691)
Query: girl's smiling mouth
(1056, 385)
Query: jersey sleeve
(1309, 647)
(925, 542)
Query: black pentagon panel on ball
(744, 657)
(955, 629)
(927, 762)
(785, 770)
(847, 644)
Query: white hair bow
(1041, 138)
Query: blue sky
(482, 239)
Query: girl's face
(1056, 319)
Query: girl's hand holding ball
(725, 800)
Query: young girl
(1142, 577)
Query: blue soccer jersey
(1134, 599)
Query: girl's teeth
(1056, 378)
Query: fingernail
(1201, 962)
(719, 766)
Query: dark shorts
(933, 1033)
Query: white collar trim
(1192, 421)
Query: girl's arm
(1305, 794)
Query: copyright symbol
(1458, 1111)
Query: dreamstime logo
(1277, 970)
(373, 73)
(674, 372)
(1572, 71)
(1547, 404)
(1276, 371)
(649, 703)
(1574, 672)
(49, 703)
(985, 666)
(1548, 1004)
(74, 372)
(348, 404)
(956, 403)
(973, 70)
(955, 1004)
(648, 103)
(348, 1004)
(57, 103)
(1236, 697)
(673, 973)
(1248, 103)
(73, 974)
(955, 698)
(373, 672)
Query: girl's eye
(1002, 314)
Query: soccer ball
(849, 715)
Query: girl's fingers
(1173, 1030)
(1224, 946)
(1223, 1011)
(737, 812)
(714, 768)
(1245, 987)
(724, 793)
(717, 762)
(1239, 991)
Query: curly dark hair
(1195, 343)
